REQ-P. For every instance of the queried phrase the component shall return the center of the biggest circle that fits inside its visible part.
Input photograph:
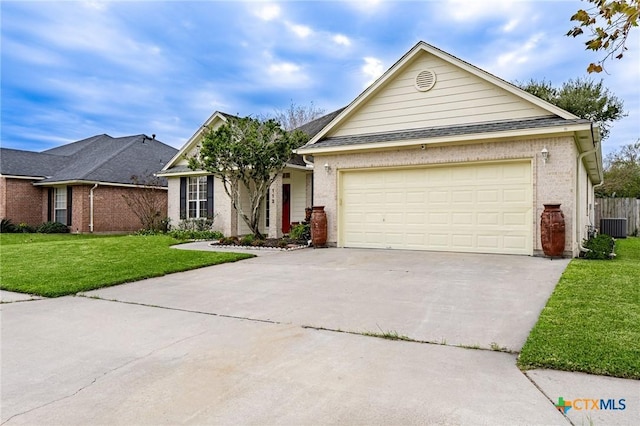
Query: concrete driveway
(453, 298)
(226, 345)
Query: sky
(71, 70)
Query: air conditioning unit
(615, 227)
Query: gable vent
(425, 80)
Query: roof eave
(23, 177)
(469, 138)
(194, 139)
(73, 182)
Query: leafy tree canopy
(622, 173)
(582, 97)
(609, 23)
(247, 154)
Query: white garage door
(481, 207)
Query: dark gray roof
(312, 128)
(100, 158)
(16, 162)
(434, 132)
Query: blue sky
(71, 70)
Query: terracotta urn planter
(552, 232)
(318, 227)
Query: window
(60, 205)
(197, 197)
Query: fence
(628, 208)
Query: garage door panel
(476, 208)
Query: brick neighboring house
(81, 184)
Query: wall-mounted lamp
(327, 167)
(545, 154)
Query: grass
(53, 265)
(591, 321)
(389, 335)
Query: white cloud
(341, 40)
(285, 74)
(511, 25)
(367, 7)
(96, 5)
(372, 69)
(301, 31)
(268, 12)
(521, 54)
(466, 11)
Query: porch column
(275, 208)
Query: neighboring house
(81, 184)
(195, 194)
(438, 154)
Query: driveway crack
(103, 375)
(191, 311)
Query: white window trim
(200, 196)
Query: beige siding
(243, 229)
(457, 98)
(298, 183)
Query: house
(194, 194)
(438, 154)
(82, 184)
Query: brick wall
(553, 182)
(20, 201)
(110, 210)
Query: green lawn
(55, 265)
(592, 321)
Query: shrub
(301, 232)
(24, 228)
(247, 240)
(600, 247)
(6, 226)
(52, 228)
(180, 234)
(196, 224)
(194, 229)
(229, 241)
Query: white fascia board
(193, 140)
(22, 177)
(470, 138)
(93, 182)
(178, 174)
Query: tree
(610, 23)
(247, 154)
(582, 97)
(622, 173)
(297, 115)
(147, 203)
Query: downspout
(91, 208)
(580, 157)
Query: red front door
(286, 208)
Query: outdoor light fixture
(545, 154)
(327, 167)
